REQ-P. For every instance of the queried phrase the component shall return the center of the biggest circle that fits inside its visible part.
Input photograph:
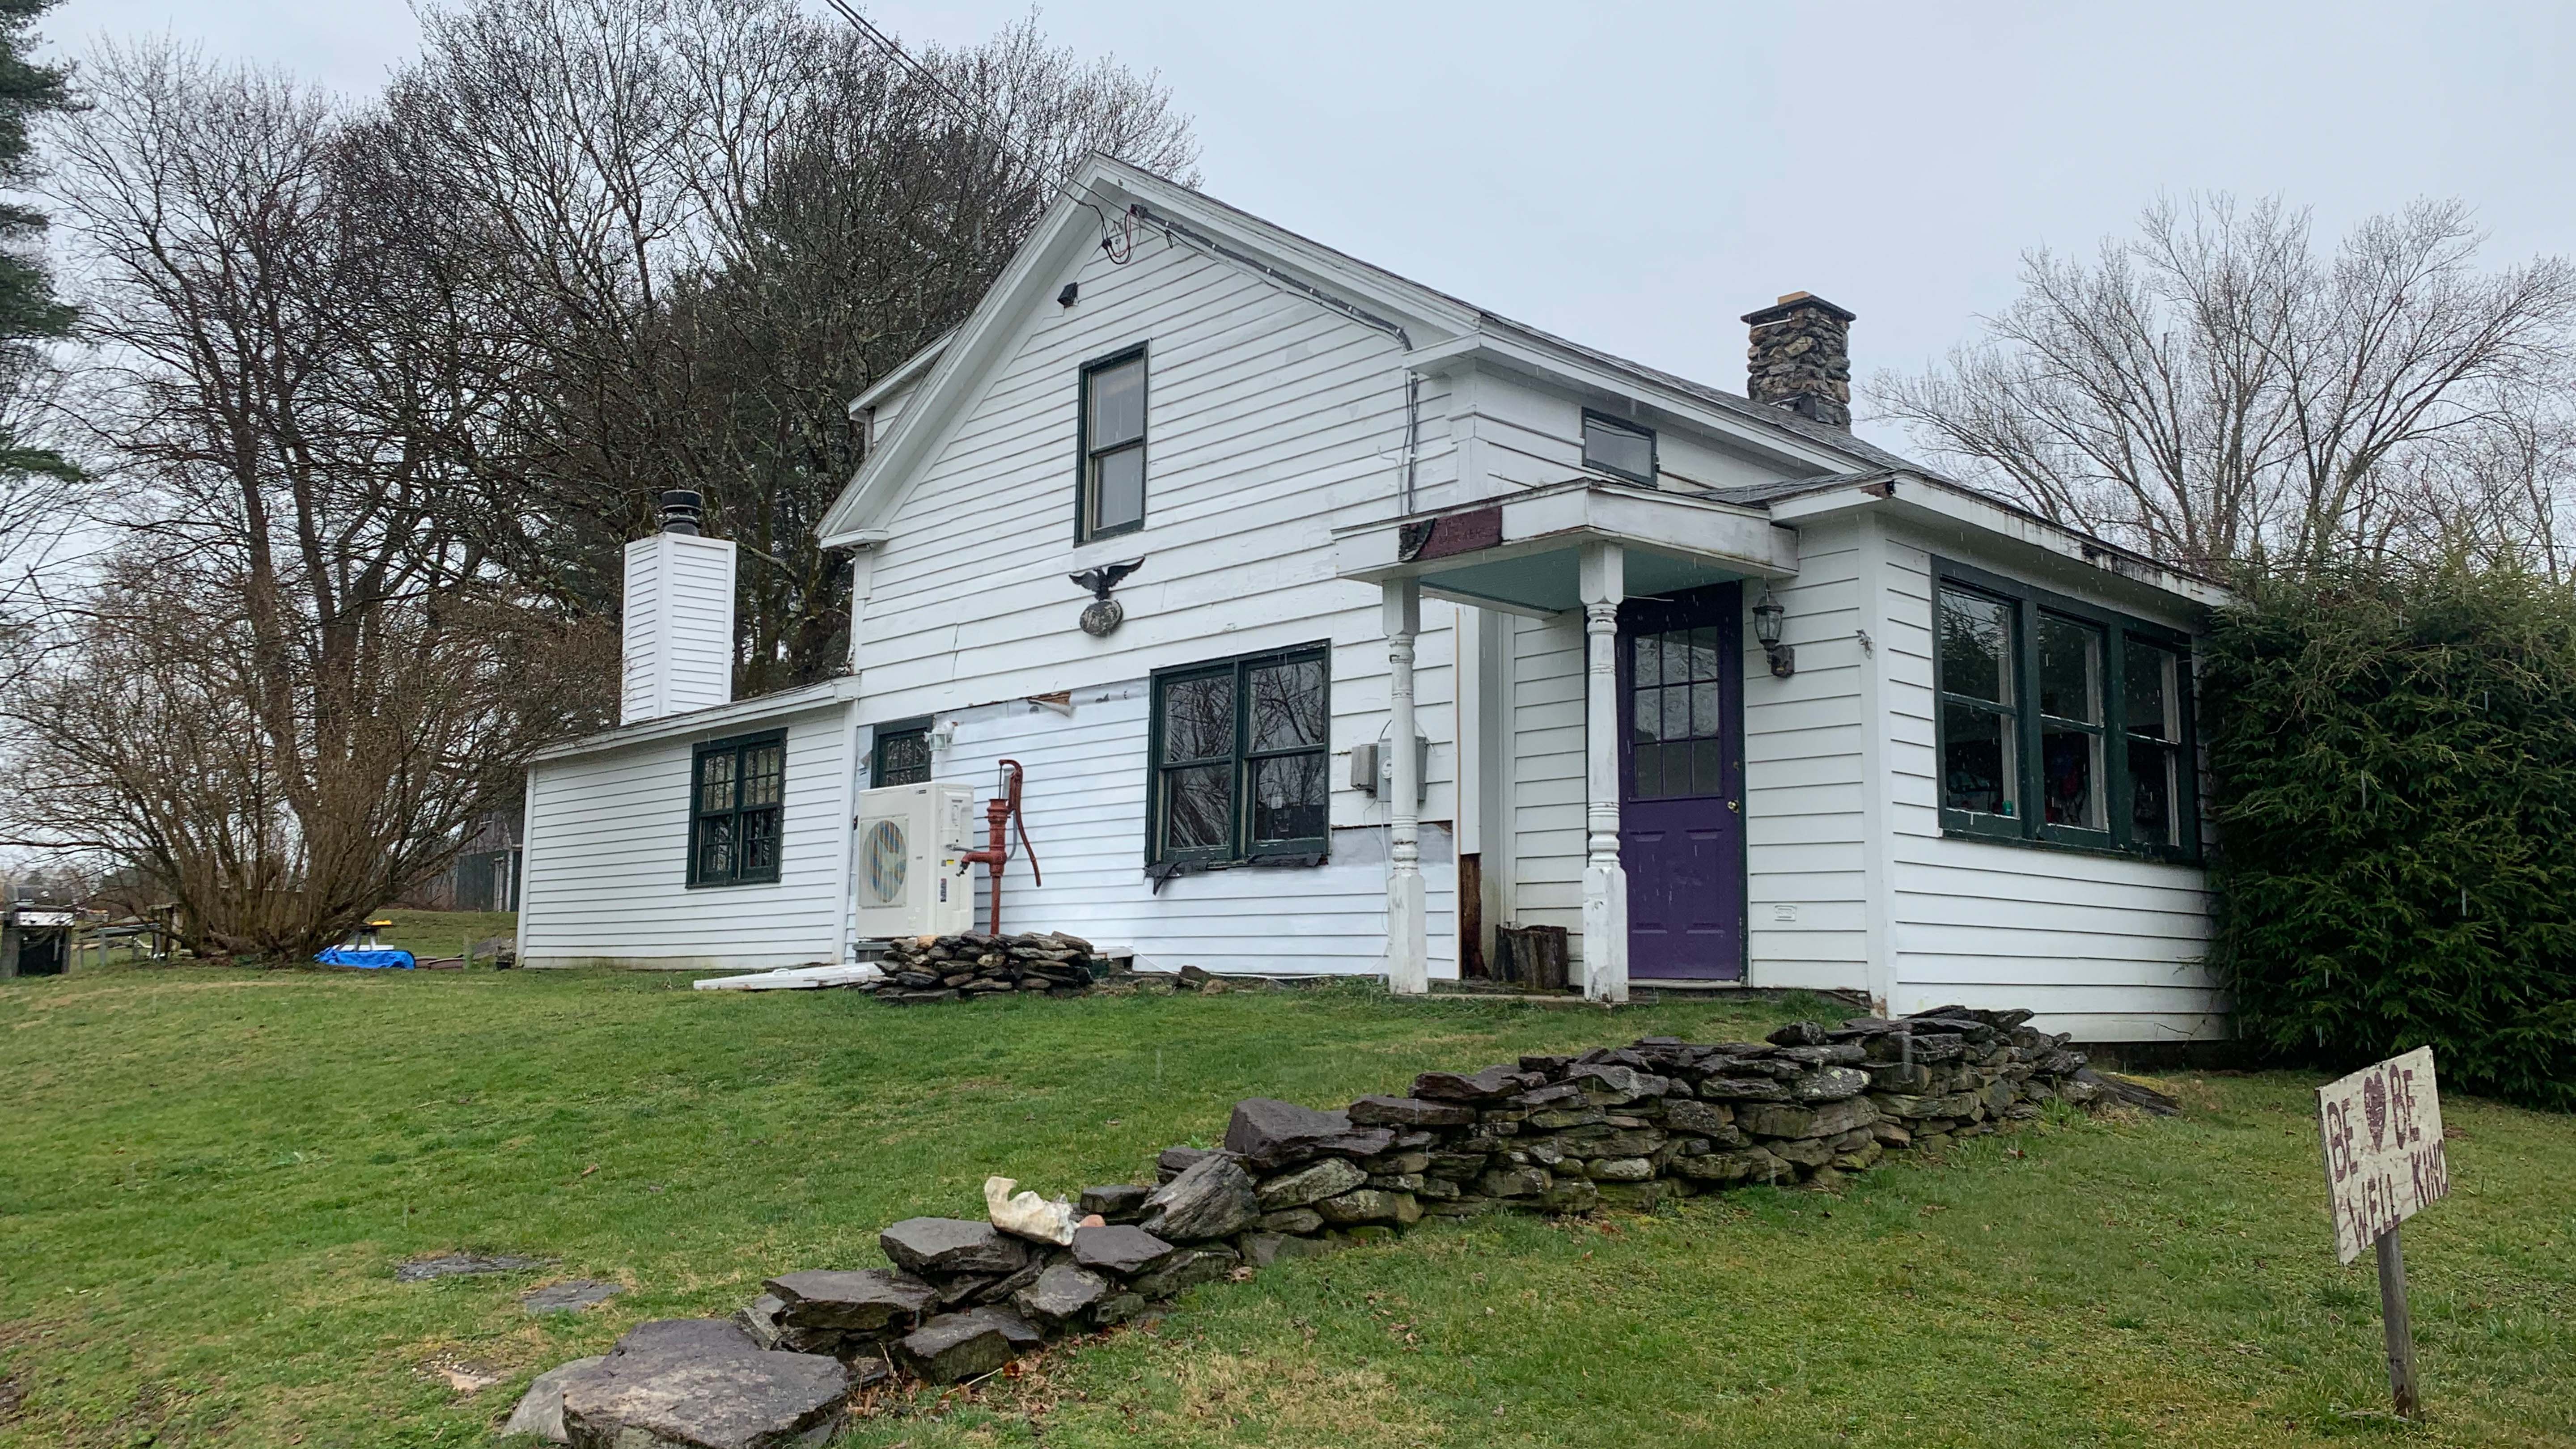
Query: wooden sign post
(2383, 1138)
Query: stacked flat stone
(1620, 1126)
(924, 969)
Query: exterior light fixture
(1766, 627)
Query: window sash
(737, 810)
(1233, 831)
(2120, 756)
(901, 755)
(1110, 484)
(1617, 434)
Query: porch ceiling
(1519, 552)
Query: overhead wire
(983, 119)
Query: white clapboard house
(1727, 693)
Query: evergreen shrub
(2393, 760)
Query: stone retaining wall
(1625, 1127)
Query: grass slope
(206, 1177)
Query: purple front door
(1681, 798)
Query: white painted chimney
(679, 617)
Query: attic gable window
(1112, 491)
(2059, 723)
(737, 795)
(1618, 448)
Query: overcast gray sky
(1638, 176)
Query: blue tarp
(367, 960)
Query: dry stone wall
(926, 969)
(1623, 1126)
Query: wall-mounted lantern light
(1766, 627)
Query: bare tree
(297, 683)
(2214, 391)
(707, 224)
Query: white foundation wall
(1084, 801)
(2108, 947)
(605, 878)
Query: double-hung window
(1618, 448)
(1239, 759)
(737, 795)
(2058, 722)
(1112, 493)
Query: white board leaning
(2383, 1139)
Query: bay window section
(2058, 723)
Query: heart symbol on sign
(2374, 1109)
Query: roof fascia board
(715, 719)
(1583, 375)
(1932, 500)
(910, 368)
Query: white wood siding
(2107, 947)
(1084, 800)
(1545, 804)
(1805, 776)
(678, 627)
(606, 871)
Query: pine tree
(30, 313)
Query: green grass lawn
(208, 1174)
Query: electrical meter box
(909, 841)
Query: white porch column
(1408, 965)
(1603, 581)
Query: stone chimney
(679, 617)
(1801, 358)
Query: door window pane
(1976, 646)
(1198, 718)
(2071, 774)
(1287, 705)
(2070, 669)
(1976, 760)
(1703, 652)
(1117, 404)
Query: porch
(1658, 580)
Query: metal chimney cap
(681, 509)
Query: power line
(974, 114)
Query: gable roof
(1437, 329)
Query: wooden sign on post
(2383, 1139)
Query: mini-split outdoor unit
(910, 839)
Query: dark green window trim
(2121, 636)
(1240, 763)
(1085, 464)
(901, 754)
(738, 810)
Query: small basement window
(1619, 448)
(737, 800)
(1112, 491)
(2059, 723)
(1239, 758)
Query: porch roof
(1519, 552)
